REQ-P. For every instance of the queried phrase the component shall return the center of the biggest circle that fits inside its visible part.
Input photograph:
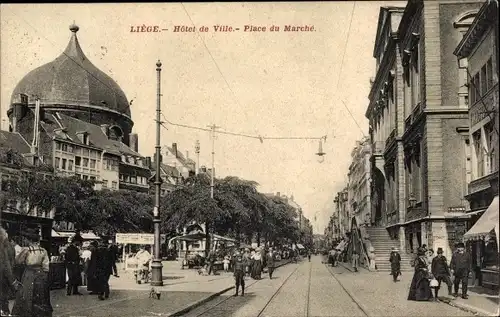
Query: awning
(486, 224)
(300, 246)
(67, 234)
(221, 238)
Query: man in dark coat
(239, 274)
(103, 269)
(113, 250)
(460, 267)
(8, 282)
(72, 263)
(441, 271)
(270, 260)
(395, 260)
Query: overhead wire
(342, 66)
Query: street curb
(466, 307)
(202, 301)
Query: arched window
(115, 133)
(464, 21)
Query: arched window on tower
(115, 133)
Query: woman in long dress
(33, 299)
(420, 285)
(257, 265)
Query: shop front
(482, 242)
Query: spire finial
(73, 27)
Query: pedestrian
(103, 270)
(420, 289)
(441, 272)
(247, 261)
(270, 260)
(355, 260)
(239, 273)
(143, 260)
(395, 260)
(211, 262)
(33, 298)
(113, 250)
(460, 268)
(86, 254)
(257, 265)
(72, 263)
(309, 255)
(226, 263)
(92, 269)
(8, 281)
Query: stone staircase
(383, 243)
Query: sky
(275, 84)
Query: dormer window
(83, 137)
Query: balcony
(390, 139)
(415, 213)
(483, 183)
(416, 112)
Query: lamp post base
(156, 273)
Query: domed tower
(72, 85)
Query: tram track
(354, 300)
(229, 298)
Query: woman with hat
(34, 297)
(420, 286)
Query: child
(239, 274)
(226, 263)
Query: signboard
(456, 209)
(138, 238)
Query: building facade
(419, 124)
(359, 182)
(477, 53)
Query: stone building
(419, 124)
(359, 182)
(477, 53)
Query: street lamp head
(321, 154)
(158, 64)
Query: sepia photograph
(249, 159)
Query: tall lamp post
(156, 266)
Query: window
(133, 179)
(85, 162)
(85, 152)
(415, 75)
(78, 150)
(57, 162)
(478, 150)
(114, 185)
(58, 146)
(483, 79)
(104, 183)
(489, 73)
(70, 148)
(490, 144)
(85, 177)
(92, 163)
(64, 147)
(70, 165)
(78, 161)
(78, 175)
(92, 178)
(63, 164)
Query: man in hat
(270, 260)
(441, 271)
(460, 267)
(72, 262)
(239, 274)
(103, 268)
(395, 260)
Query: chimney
(134, 142)
(20, 108)
(203, 169)
(174, 149)
(148, 162)
(105, 129)
(278, 194)
(187, 154)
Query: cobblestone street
(313, 289)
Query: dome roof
(71, 79)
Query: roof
(97, 138)
(168, 170)
(15, 141)
(181, 158)
(71, 79)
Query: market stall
(485, 232)
(132, 240)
